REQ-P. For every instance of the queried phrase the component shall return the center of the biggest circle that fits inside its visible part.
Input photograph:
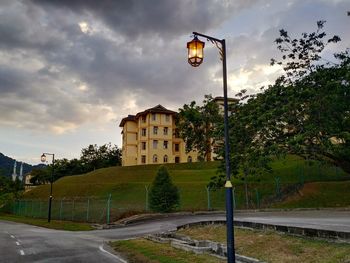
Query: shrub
(164, 195)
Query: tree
(95, 157)
(309, 104)
(305, 112)
(164, 195)
(197, 126)
(40, 176)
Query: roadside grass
(54, 224)
(145, 251)
(319, 194)
(274, 247)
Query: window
(177, 159)
(165, 145)
(143, 158)
(189, 159)
(176, 133)
(177, 147)
(143, 132)
(155, 144)
(154, 116)
(165, 130)
(167, 117)
(143, 145)
(155, 130)
(155, 158)
(143, 119)
(165, 159)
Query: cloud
(65, 65)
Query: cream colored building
(150, 137)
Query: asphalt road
(24, 243)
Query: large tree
(197, 126)
(305, 112)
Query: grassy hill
(87, 195)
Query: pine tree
(164, 195)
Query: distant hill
(6, 166)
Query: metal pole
(231, 258)
(50, 199)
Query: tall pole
(231, 257)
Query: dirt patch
(307, 190)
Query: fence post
(87, 210)
(108, 207)
(146, 187)
(208, 196)
(257, 198)
(32, 213)
(73, 208)
(234, 198)
(61, 207)
(278, 187)
(40, 209)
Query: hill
(6, 166)
(121, 190)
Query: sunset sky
(71, 70)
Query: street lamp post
(195, 58)
(43, 159)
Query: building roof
(129, 118)
(156, 109)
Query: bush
(164, 195)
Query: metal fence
(108, 209)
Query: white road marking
(18, 244)
(12, 236)
(105, 251)
(21, 252)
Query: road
(24, 243)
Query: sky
(70, 70)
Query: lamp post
(195, 58)
(43, 159)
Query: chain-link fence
(256, 194)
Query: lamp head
(195, 52)
(43, 158)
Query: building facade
(151, 137)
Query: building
(150, 137)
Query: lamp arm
(217, 42)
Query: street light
(195, 58)
(43, 159)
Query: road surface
(24, 243)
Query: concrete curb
(329, 235)
(198, 247)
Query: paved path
(320, 219)
(24, 243)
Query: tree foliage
(92, 157)
(198, 124)
(305, 112)
(164, 195)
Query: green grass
(54, 224)
(144, 251)
(319, 194)
(273, 247)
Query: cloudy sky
(70, 70)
